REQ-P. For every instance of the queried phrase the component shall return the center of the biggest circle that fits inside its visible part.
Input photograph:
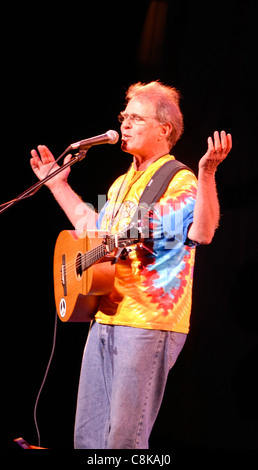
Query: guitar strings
(89, 259)
(79, 262)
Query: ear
(166, 129)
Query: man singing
(142, 325)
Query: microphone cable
(44, 378)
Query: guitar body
(78, 289)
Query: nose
(126, 124)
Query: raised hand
(43, 163)
(218, 149)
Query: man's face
(140, 134)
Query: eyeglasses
(134, 118)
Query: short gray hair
(166, 100)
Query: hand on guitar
(42, 163)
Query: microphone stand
(30, 191)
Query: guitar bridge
(63, 275)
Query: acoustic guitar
(84, 269)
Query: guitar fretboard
(94, 255)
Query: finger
(46, 155)
(67, 158)
(226, 142)
(42, 153)
(34, 153)
(33, 163)
(217, 143)
(210, 144)
(35, 160)
(229, 139)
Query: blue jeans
(123, 378)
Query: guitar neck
(94, 255)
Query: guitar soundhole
(78, 266)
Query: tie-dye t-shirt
(153, 285)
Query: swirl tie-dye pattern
(153, 286)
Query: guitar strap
(155, 189)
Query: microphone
(110, 137)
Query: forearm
(206, 211)
(81, 215)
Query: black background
(65, 70)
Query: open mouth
(125, 138)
